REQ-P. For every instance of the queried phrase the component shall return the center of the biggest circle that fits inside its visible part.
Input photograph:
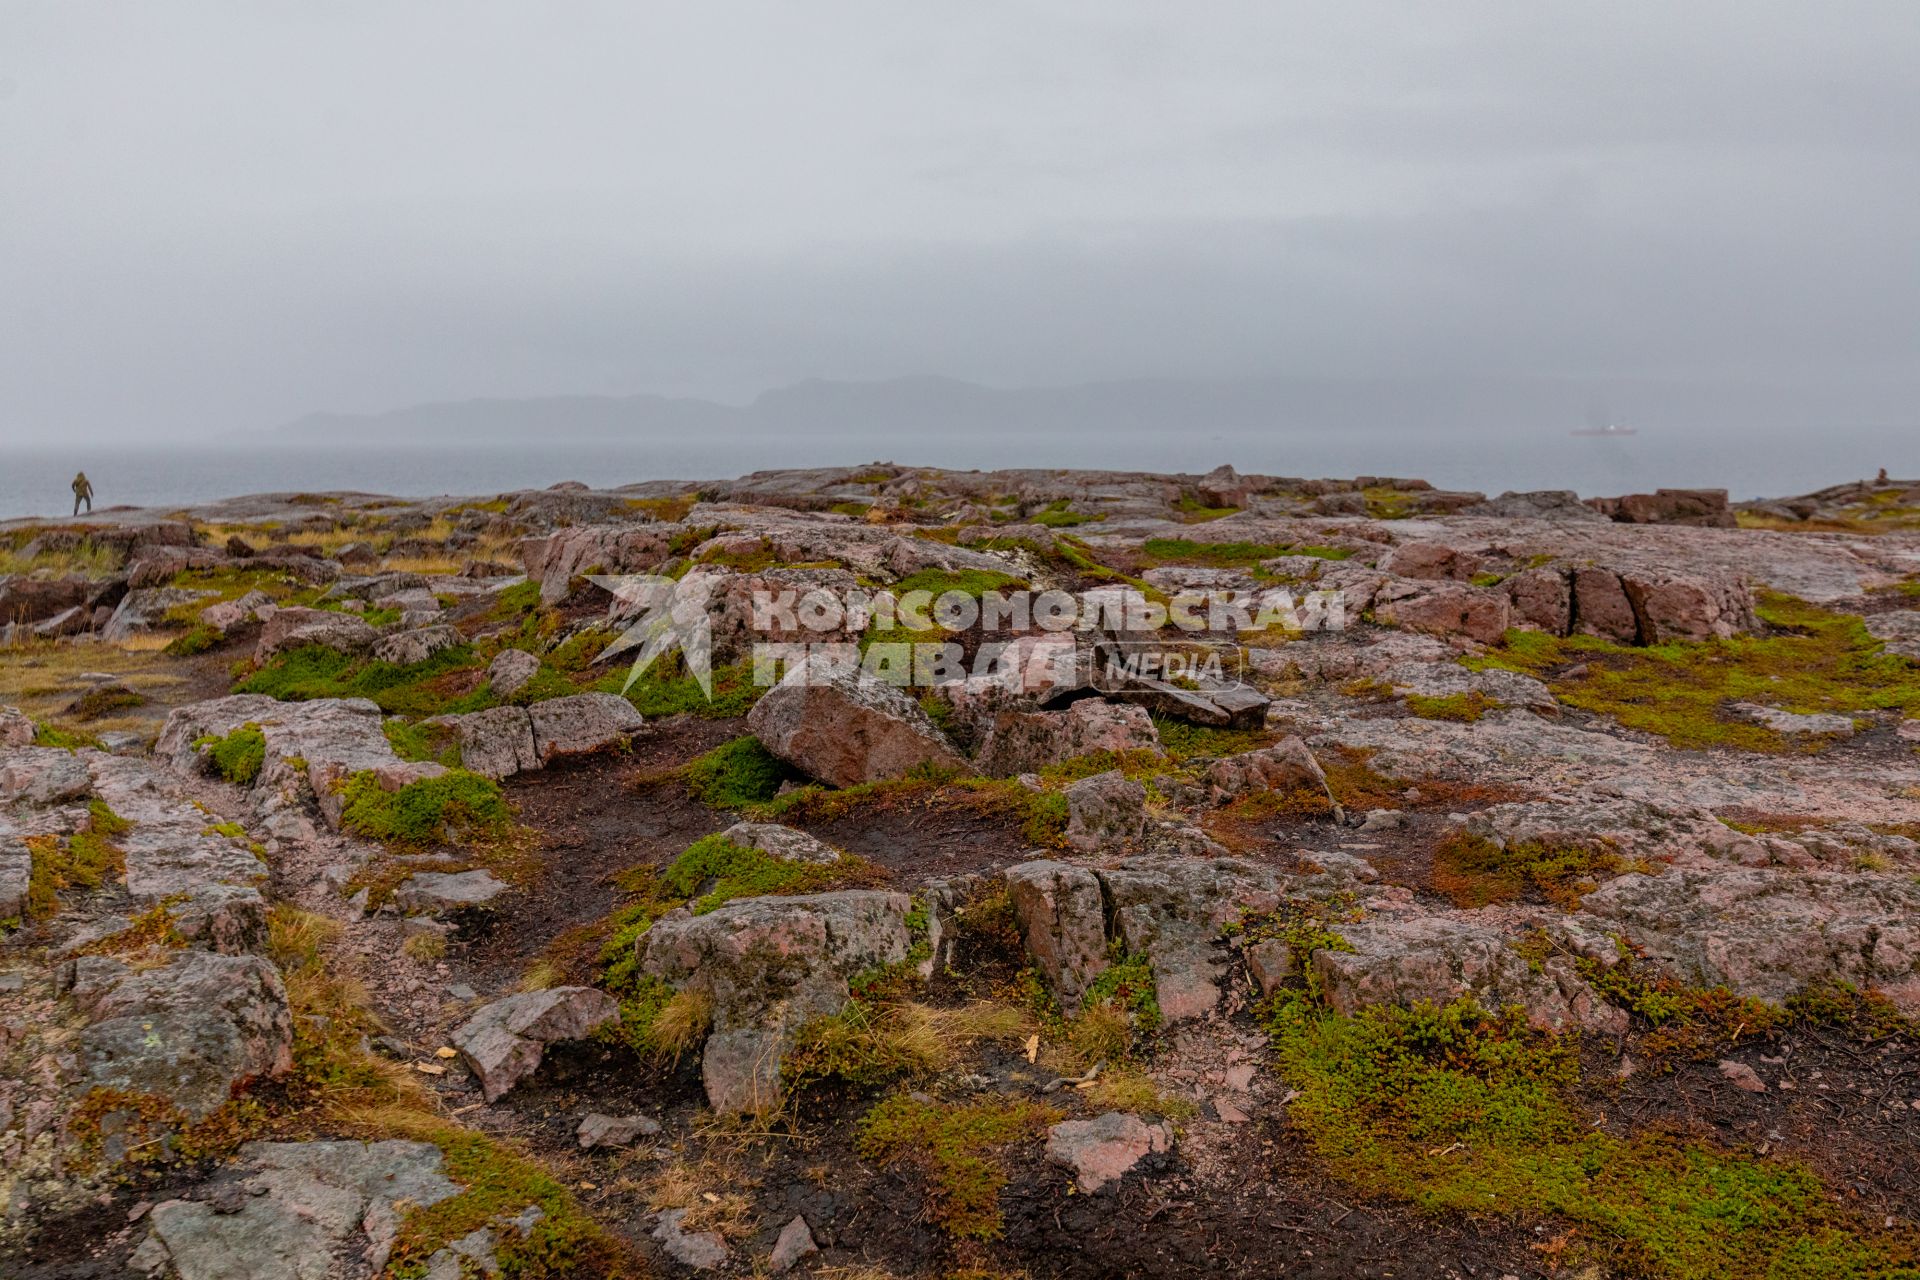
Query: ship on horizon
(1609, 431)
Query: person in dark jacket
(82, 492)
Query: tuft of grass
(1811, 661)
(149, 930)
(954, 1145)
(1457, 1110)
(1122, 1001)
(239, 756)
(1127, 1088)
(454, 806)
(866, 1045)
(85, 860)
(426, 947)
(736, 774)
(1183, 741)
(1474, 872)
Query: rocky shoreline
(1535, 892)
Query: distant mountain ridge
(932, 403)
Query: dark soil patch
(928, 834)
(1848, 1108)
(92, 1242)
(1276, 1217)
(594, 822)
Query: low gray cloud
(220, 216)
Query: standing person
(82, 492)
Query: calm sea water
(34, 480)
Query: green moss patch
(422, 742)
(498, 1184)
(1060, 515)
(47, 735)
(1810, 661)
(713, 870)
(239, 756)
(737, 774)
(954, 1146)
(1182, 740)
(1464, 708)
(1475, 872)
(454, 806)
(1460, 1111)
(1227, 555)
(446, 683)
(1194, 511)
(667, 689)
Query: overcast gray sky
(224, 215)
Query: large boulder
(16, 728)
(147, 608)
(1702, 508)
(194, 1032)
(1449, 609)
(581, 723)
(843, 726)
(230, 615)
(785, 843)
(556, 559)
(28, 599)
(1432, 561)
(1437, 960)
(1216, 705)
(1172, 910)
(1542, 598)
(289, 629)
(1105, 810)
(405, 648)
(495, 743)
(447, 892)
(504, 1042)
(16, 871)
(1898, 630)
(1285, 766)
(510, 671)
(311, 747)
(1061, 912)
(768, 965)
(1024, 741)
